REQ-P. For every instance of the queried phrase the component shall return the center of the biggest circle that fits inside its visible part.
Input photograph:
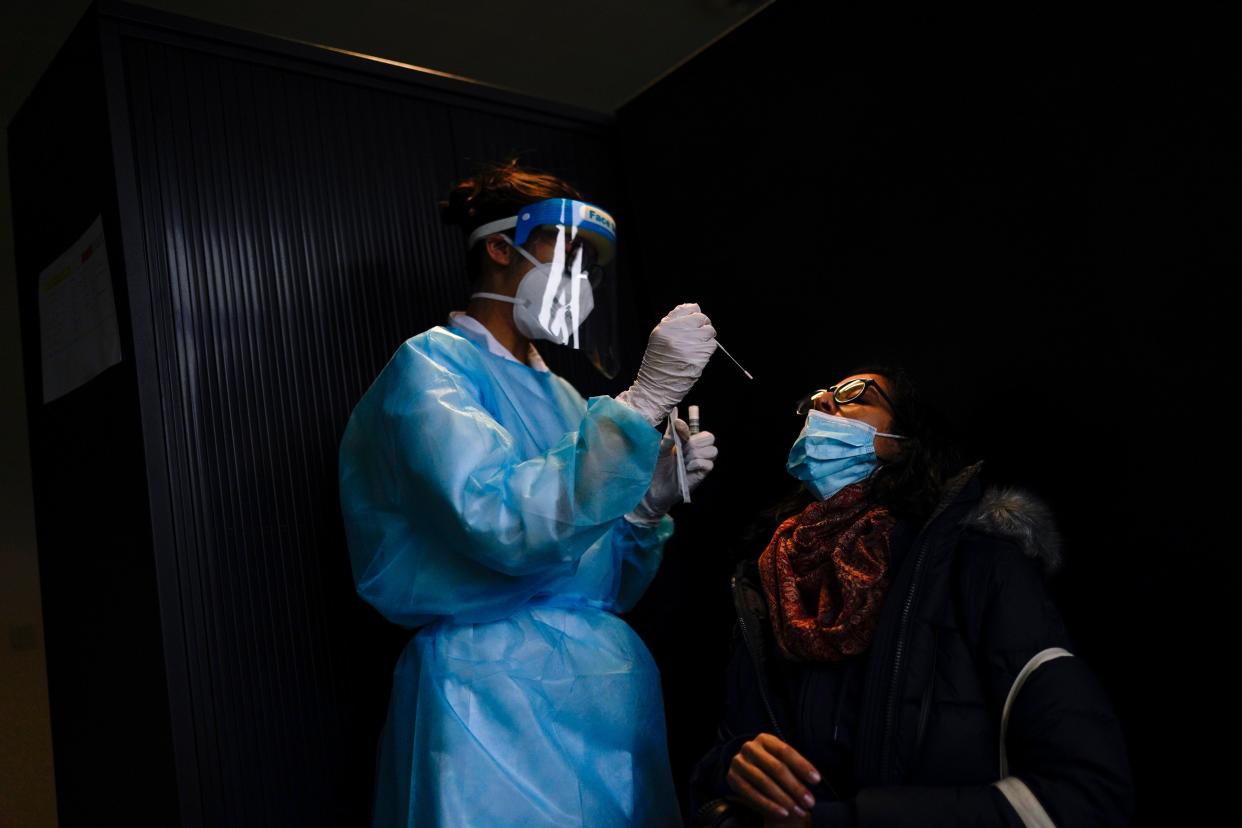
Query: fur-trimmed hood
(1020, 516)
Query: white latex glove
(664, 492)
(677, 351)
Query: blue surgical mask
(832, 452)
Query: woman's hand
(771, 777)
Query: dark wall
(1046, 236)
(105, 657)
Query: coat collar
(1008, 512)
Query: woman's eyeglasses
(843, 394)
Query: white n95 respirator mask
(553, 299)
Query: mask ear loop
(525, 253)
(500, 297)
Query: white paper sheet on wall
(77, 315)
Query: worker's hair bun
(459, 209)
(497, 191)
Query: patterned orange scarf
(825, 574)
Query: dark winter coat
(910, 732)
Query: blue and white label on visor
(595, 222)
(600, 221)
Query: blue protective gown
(483, 503)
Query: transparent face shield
(568, 297)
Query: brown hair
(497, 191)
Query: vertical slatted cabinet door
(293, 243)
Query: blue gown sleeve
(640, 550)
(444, 517)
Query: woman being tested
(900, 662)
(489, 505)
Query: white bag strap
(1037, 661)
(1019, 795)
(1024, 802)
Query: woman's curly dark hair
(912, 486)
(498, 191)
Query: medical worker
(508, 520)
